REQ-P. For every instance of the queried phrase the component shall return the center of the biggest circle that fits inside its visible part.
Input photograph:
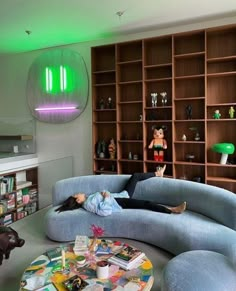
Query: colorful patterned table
(49, 274)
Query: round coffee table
(46, 275)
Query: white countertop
(18, 162)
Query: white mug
(102, 270)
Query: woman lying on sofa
(105, 203)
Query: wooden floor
(31, 229)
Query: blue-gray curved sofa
(206, 229)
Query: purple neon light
(56, 108)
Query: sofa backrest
(87, 184)
(214, 202)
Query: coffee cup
(102, 270)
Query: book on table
(81, 244)
(54, 254)
(127, 258)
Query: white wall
(55, 141)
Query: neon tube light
(56, 108)
(48, 80)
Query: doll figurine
(112, 149)
(158, 144)
(231, 112)
(217, 114)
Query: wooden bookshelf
(196, 69)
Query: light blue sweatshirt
(96, 203)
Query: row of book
(6, 184)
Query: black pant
(134, 179)
(130, 203)
(137, 203)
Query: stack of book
(54, 254)
(129, 257)
(81, 244)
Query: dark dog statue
(9, 239)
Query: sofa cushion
(199, 270)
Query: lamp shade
(224, 149)
(57, 86)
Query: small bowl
(80, 260)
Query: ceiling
(27, 25)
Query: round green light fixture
(58, 86)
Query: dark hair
(69, 204)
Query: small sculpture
(189, 111)
(9, 239)
(217, 114)
(158, 143)
(164, 98)
(109, 103)
(101, 149)
(101, 104)
(231, 112)
(112, 149)
(184, 137)
(154, 99)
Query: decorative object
(101, 149)
(154, 99)
(97, 232)
(57, 86)
(112, 149)
(217, 114)
(197, 135)
(109, 103)
(190, 157)
(101, 104)
(130, 157)
(189, 111)
(184, 137)
(231, 112)
(224, 149)
(158, 143)
(197, 179)
(9, 239)
(164, 98)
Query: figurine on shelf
(164, 98)
(189, 111)
(158, 143)
(112, 149)
(101, 149)
(154, 99)
(101, 104)
(231, 112)
(109, 103)
(217, 114)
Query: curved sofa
(208, 224)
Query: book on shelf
(23, 184)
(54, 254)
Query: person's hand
(105, 194)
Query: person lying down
(105, 203)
